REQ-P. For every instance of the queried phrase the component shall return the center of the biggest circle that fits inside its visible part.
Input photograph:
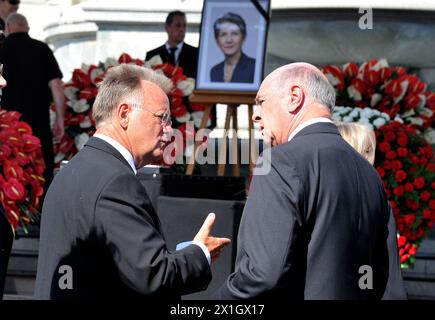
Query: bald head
(16, 22)
(313, 81)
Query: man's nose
(256, 117)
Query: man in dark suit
(315, 224)
(100, 236)
(175, 51)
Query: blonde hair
(360, 137)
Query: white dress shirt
(306, 124)
(177, 52)
(129, 158)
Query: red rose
(409, 219)
(427, 214)
(401, 241)
(409, 187)
(425, 195)
(400, 175)
(402, 152)
(432, 204)
(398, 191)
(403, 140)
(380, 171)
(404, 257)
(391, 155)
(384, 146)
(396, 165)
(419, 182)
(412, 250)
(389, 136)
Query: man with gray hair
(100, 236)
(315, 226)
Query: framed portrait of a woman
(232, 45)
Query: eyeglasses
(14, 2)
(165, 118)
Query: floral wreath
(400, 109)
(21, 171)
(82, 90)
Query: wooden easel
(233, 99)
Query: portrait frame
(248, 72)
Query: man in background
(34, 81)
(6, 8)
(175, 51)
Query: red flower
(419, 182)
(384, 146)
(402, 152)
(391, 155)
(403, 140)
(401, 241)
(400, 175)
(398, 191)
(409, 187)
(381, 171)
(396, 165)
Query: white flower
(58, 157)
(386, 116)
(354, 114)
(336, 117)
(375, 99)
(197, 117)
(86, 123)
(367, 113)
(398, 119)
(364, 121)
(186, 86)
(404, 84)
(70, 93)
(110, 62)
(185, 117)
(79, 106)
(379, 122)
(332, 79)
(425, 112)
(354, 93)
(416, 121)
(96, 73)
(347, 119)
(153, 61)
(80, 140)
(381, 64)
(408, 113)
(429, 135)
(85, 67)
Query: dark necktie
(172, 55)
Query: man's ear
(296, 98)
(122, 113)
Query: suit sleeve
(138, 248)
(267, 235)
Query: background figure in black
(230, 34)
(6, 8)
(34, 81)
(185, 55)
(6, 235)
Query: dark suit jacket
(97, 218)
(188, 58)
(311, 223)
(6, 239)
(244, 71)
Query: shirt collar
(179, 46)
(120, 148)
(306, 124)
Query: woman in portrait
(230, 34)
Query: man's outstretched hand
(214, 245)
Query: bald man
(315, 225)
(34, 81)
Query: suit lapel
(102, 145)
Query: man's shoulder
(189, 48)
(155, 52)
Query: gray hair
(18, 20)
(315, 84)
(122, 84)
